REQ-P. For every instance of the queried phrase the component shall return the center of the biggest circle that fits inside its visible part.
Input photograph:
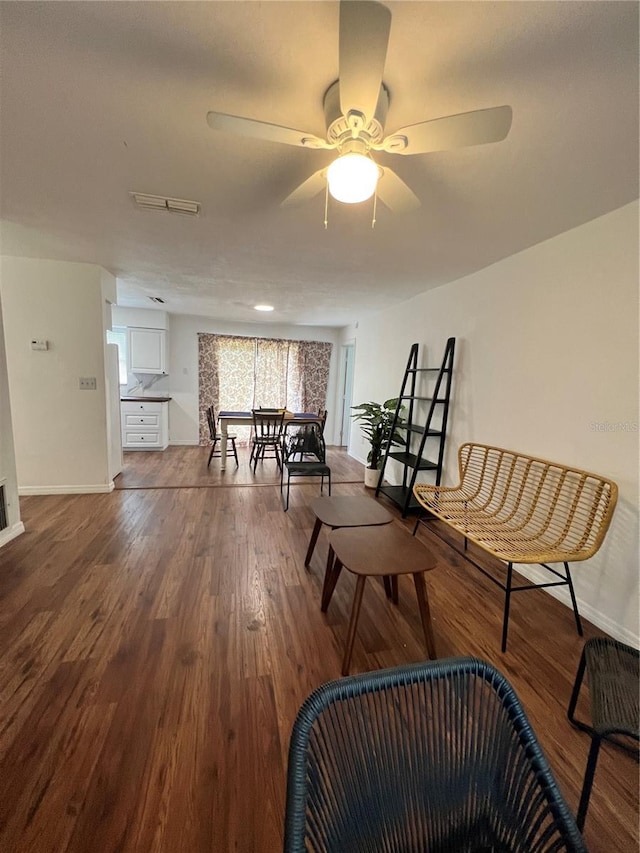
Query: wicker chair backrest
(436, 756)
(522, 507)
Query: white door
(346, 389)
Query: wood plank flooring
(187, 466)
(157, 643)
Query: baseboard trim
(600, 620)
(187, 442)
(11, 533)
(99, 488)
(356, 457)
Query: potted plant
(377, 421)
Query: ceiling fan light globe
(352, 178)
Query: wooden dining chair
(215, 438)
(267, 436)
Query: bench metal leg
(575, 693)
(507, 600)
(391, 587)
(394, 589)
(573, 599)
(387, 585)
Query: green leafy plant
(377, 421)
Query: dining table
(227, 419)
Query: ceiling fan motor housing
(341, 128)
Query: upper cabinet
(147, 350)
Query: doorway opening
(347, 360)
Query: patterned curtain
(271, 370)
(231, 389)
(240, 374)
(313, 368)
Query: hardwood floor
(157, 643)
(187, 466)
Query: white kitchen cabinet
(145, 425)
(147, 350)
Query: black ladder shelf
(412, 455)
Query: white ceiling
(102, 98)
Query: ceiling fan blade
(307, 189)
(364, 36)
(393, 191)
(263, 130)
(442, 134)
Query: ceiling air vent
(159, 202)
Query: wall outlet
(88, 383)
(39, 345)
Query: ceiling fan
(355, 109)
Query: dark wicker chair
(430, 757)
(613, 672)
(309, 448)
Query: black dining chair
(215, 438)
(309, 448)
(267, 436)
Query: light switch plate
(88, 383)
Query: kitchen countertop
(145, 399)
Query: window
(238, 373)
(119, 337)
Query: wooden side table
(375, 552)
(344, 511)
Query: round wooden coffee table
(378, 552)
(344, 511)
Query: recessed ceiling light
(263, 307)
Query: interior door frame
(347, 365)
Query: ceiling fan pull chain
(326, 206)
(375, 205)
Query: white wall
(183, 367)
(7, 454)
(61, 442)
(547, 364)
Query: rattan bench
(522, 509)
